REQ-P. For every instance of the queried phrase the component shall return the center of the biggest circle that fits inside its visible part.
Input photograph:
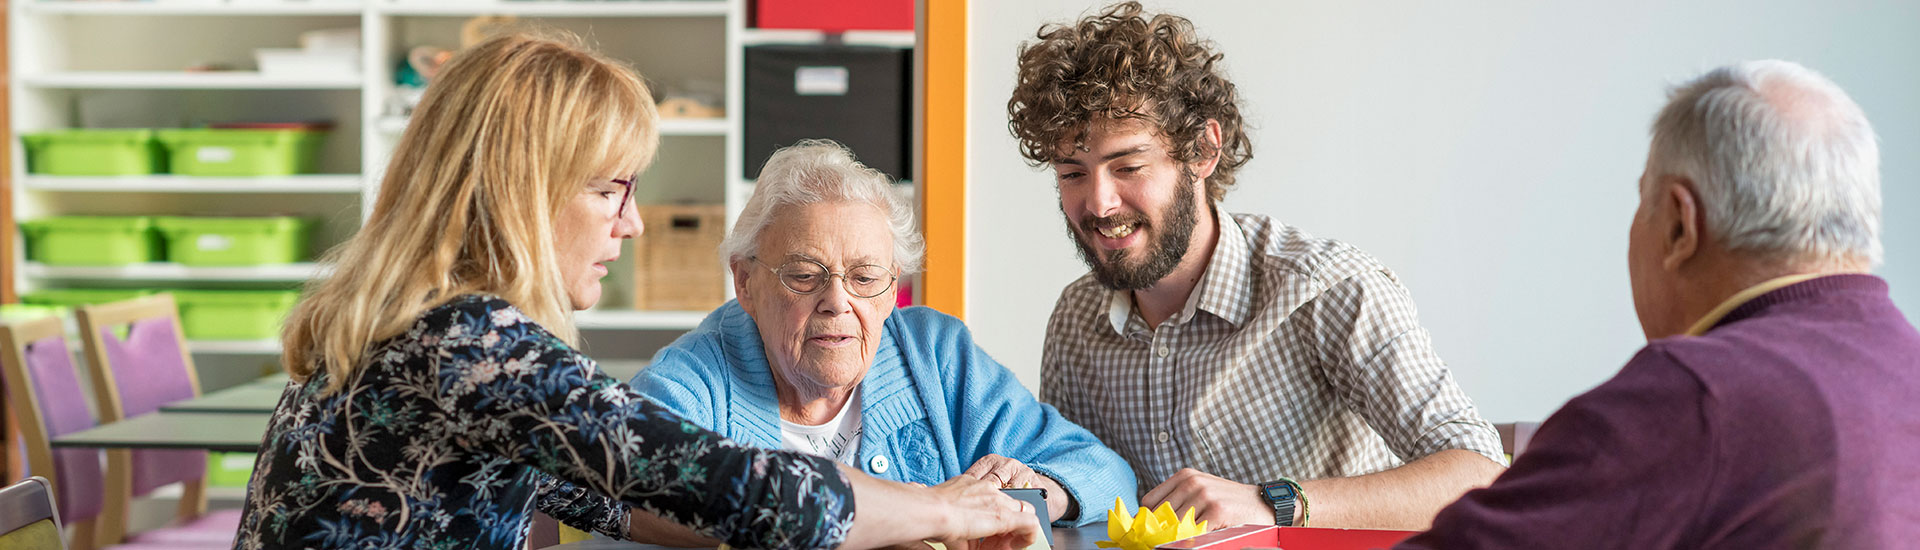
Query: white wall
(1484, 150)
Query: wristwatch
(1283, 494)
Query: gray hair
(821, 170)
(1785, 164)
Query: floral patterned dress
(437, 442)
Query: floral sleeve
(512, 389)
(579, 508)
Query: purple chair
(134, 375)
(47, 398)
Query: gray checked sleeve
(1381, 363)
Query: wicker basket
(676, 261)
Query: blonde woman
(435, 370)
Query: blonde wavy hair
(508, 132)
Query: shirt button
(878, 464)
(1164, 351)
(1162, 437)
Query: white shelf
(639, 320)
(894, 39)
(235, 347)
(202, 7)
(393, 125)
(559, 8)
(189, 184)
(693, 126)
(175, 272)
(183, 80)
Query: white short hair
(821, 170)
(1784, 163)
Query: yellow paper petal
(1165, 513)
(1107, 544)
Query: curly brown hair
(1123, 64)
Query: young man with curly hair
(1243, 367)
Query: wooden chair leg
(118, 494)
(83, 535)
(193, 500)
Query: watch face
(1279, 491)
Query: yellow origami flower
(1146, 530)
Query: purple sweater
(1793, 423)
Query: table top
(249, 398)
(1064, 538)
(224, 432)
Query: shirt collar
(1713, 317)
(1220, 289)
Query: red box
(834, 15)
(1290, 538)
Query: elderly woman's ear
(742, 269)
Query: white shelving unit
(78, 63)
(181, 80)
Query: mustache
(1092, 225)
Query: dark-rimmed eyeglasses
(806, 277)
(625, 197)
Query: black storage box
(856, 95)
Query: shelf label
(214, 154)
(820, 81)
(213, 243)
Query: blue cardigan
(931, 404)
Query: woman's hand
(964, 514)
(1012, 474)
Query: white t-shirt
(838, 439)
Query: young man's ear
(1681, 221)
(1203, 167)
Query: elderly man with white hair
(814, 357)
(1773, 406)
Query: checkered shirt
(1295, 356)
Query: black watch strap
(1284, 495)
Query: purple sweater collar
(1807, 290)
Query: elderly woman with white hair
(813, 355)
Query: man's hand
(1218, 501)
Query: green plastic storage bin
(229, 469)
(235, 241)
(233, 314)
(94, 153)
(91, 240)
(27, 312)
(242, 152)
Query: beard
(1121, 271)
